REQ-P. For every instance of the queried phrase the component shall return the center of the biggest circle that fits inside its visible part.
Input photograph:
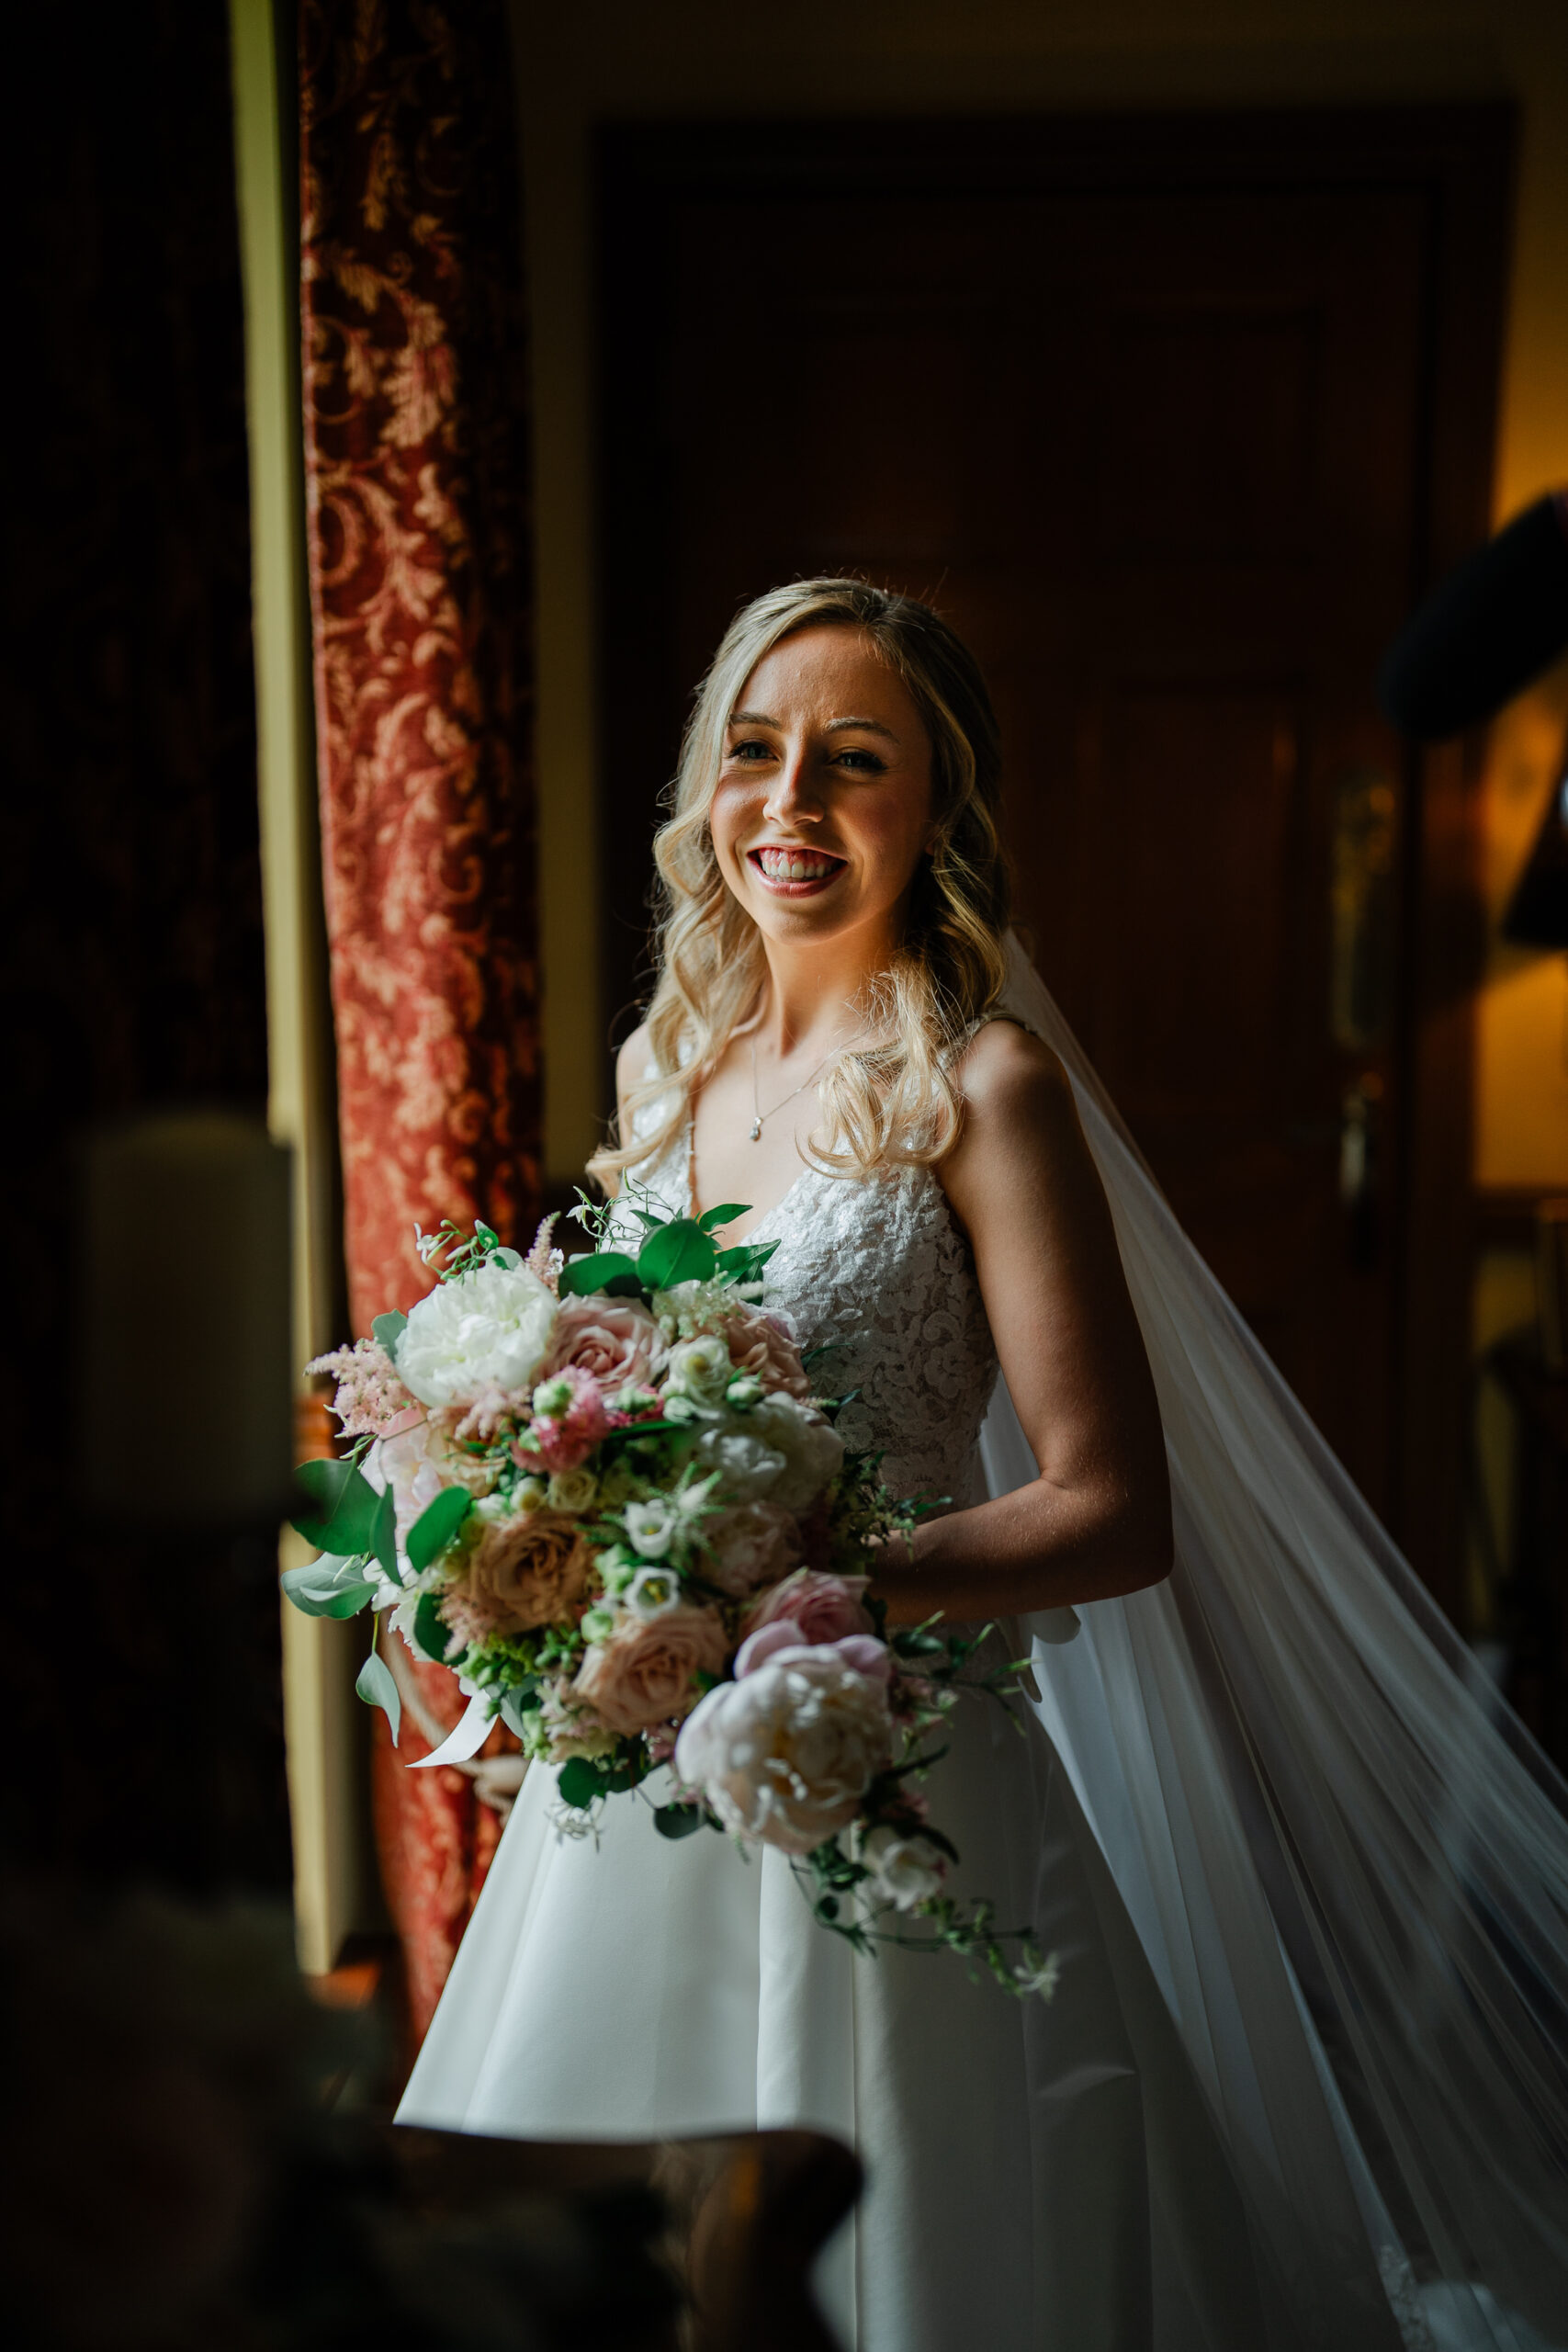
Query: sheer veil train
(1347, 1869)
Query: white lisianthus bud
(699, 1369)
(743, 1393)
(905, 1870)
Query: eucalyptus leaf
(386, 1331)
(677, 1820)
(343, 1516)
(711, 1219)
(383, 1545)
(377, 1687)
(578, 1783)
(329, 1587)
(678, 1252)
(436, 1525)
(430, 1636)
(606, 1269)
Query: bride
(1303, 2079)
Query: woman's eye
(749, 753)
(863, 763)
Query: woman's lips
(794, 873)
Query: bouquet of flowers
(605, 1493)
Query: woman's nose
(794, 797)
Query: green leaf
(329, 1587)
(579, 1783)
(678, 1252)
(387, 1330)
(711, 1219)
(745, 1262)
(377, 1687)
(607, 1270)
(343, 1518)
(383, 1547)
(677, 1820)
(429, 1632)
(436, 1525)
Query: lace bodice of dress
(880, 1269)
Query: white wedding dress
(1162, 2158)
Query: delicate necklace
(761, 1115)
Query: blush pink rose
(780, 1641)
(824, 1608)
(761, 1345)
(613, 1340)
(646, 1671)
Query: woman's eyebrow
(871, 726)
(753, 718)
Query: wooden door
(1160, 450)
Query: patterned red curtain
(416, 460)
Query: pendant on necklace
(756, 1131)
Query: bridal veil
(1347, 1866)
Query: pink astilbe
(371, 1401)
(566, 1439)
(542, 1258)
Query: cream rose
(525, 1569)
(616, 1341)
(645, 1673)
(787, 1755)
(486, 1329)
(826, 1608)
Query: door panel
(1157, 452)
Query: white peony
(753, 1545)
(787, 1755)
(905, 1870)
(483, 1330)
(780, 1452)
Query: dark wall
(144, 1710)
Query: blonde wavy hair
(893, 1100)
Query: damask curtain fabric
(416, 460)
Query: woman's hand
(1096, 1519)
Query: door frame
(1459, 159)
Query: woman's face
(823, 805)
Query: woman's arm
(1096, 1519)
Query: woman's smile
(787, 870)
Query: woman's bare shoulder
(1005, 1069)
(634, 1061)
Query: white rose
(701, 1370)
(804, 1452)
(747, 1468)
(905, 1871)
(572, 1491)
(485, 1330)
(787, 1755)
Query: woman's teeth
(796, 865)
